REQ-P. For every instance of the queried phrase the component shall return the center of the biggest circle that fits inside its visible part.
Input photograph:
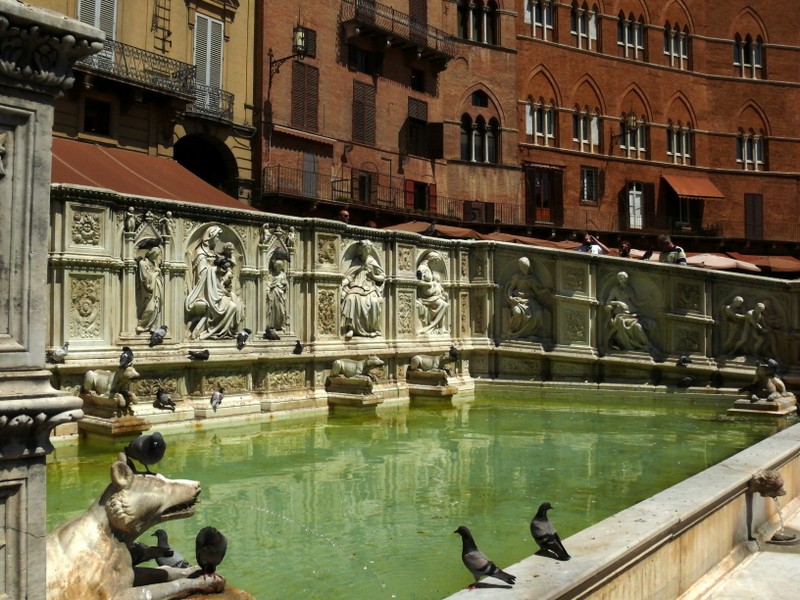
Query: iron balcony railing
(211, 102)
(284, 181)
(146, 69)
(399, 25)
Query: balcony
(211, 102)
(366, 17)
(142, 68)
(286, 182)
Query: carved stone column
(37, 51)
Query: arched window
(747, 56)
(631, 36)
(633, 136)
(479, 140)
(490, 23)
(492, 141)
(466, 137)
(478, 21)
(540, 123)
(539, 15)
(586, 130)
(750, 150)
(583, 26)
(679, 143)
(464, 19)
(676, 46)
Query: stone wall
(557, 316)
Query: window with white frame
(540, 123)
(633, 138)
(539, 15)
(477, 21)
(480, 139)
(630, 36)
(590, 184)
(747, 56)
(583, 27)
(679, 144)
(676, 46)
(103, 15)
(586, 131)
(750, 151)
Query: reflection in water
(363, 507)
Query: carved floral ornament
(86, 228)
(28, 433)
(33, 54)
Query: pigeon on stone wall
(210, 548)
(269, 334)
(163, 400)
(157, 336)
(216, 398)
(684, 361)
(546, 535)
(175, 559)
(477, 562)
(453, 353)
(199, 354)
(298, 348)
(242, 337)
(126, 358)
(147, 243)
(147, 449)
(58, 355)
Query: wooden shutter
(557, 198)
(432, 197)
(311, 42)
(311, 97)
(417, 109)
(363, 113)
(435, 140)
(99, 13)
(753, 216)
(208, 39)
(408, 186)
(648, 205)
(298, 94)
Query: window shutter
(432, 197)
(107, 17)
(208, 39)
(435, 140)
(369, 116)
(358, 111)
(311, 42)
(215, 54)
(557, 198)
(404, 138)
(417, 109)
(299, 91)
(201, 49)
(87, 11)
(649, 208)
(408, 186)
(311, 97)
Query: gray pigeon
(546, 536)
(157, 337)
(58, 355)
(477, 562)
(142, 552)
(210, 548)
(241, 338)
(126, 358)
(175, 559)
(269, 334)
(147, 449)
(199, 354)
(216, 398)
(164, 400)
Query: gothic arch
(752, 116)
(748, 21)
(494, 109)
(680, 106)
(677, 12)
(634, 98)
(636, 8)
(542, 74)
(586, 92)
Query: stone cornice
(38, 48)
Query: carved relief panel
(86, 307)
(327, 250)
(405, 258)
(405, 313)
(327, 311)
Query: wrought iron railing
(212, 102)
(393, 22)
(146, 69)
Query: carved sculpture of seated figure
(523, 295)
(627, 329)
(88, 557)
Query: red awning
(692, 187)
(776, 264)
(133, 173)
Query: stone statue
(266, 234)
(755, 338)
(109, 389)
(425, 363)
(277, 317)
(432, 301)
(167, 224)
(628, 330)
(362, 294)
(213, 307)
(734, 319)
(766, 384)
(149, 290)
(523, 293)
(350, 368)
(88, 557)
(129, 224)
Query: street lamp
(298, 50)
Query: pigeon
(477, 562)
(58, 355)
(147, 243)
(164, 400)
(269, 334)
(430, 230)
(453, 353)
(241, 338)
(157, 337)
(147, 449)
(686, 382)
(298, 348)
(199, 354)
(210, 547)
(126, 358)
(647, 255)
(175, 559)
(216, 398)
(546, 536)
(142, 552)
(684, 361)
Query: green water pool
(358, 506)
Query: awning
(775, 264)
(443, 231)
(134, 174)
(693, 187)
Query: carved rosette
(86, 307)
(326, 312)
(28, 433)
(326, 250)
(86, 228)
(405, 313)
(575, 279)
(688, 297)
(405, 260)
(575, 322)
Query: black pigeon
(164, 400)
(298, 348)
(126, 358)
(142, 552)
(175, 559)
(216, 398)
(453, 353)
(147, 449)
(58, 355)
(477, 562)
(684, 361)
(199, 354)
(430, 230)
(210, 547)
(546, 536)
(647, 255)
(148, 243)
(241, 338)
(269, 334)
(686, 382)
(157, 337)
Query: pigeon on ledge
(241, 338)
(157, 337)
(175, 559)
(142, 552)
(164, 400)
(147, 449)
(216, 398)
(58, 355)
(199, 354)
(546, 536)
(126, 358)
(210, 548)
(269, 334)
(477, 562)
(298, 348)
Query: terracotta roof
(693, 187)
(133, 173)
